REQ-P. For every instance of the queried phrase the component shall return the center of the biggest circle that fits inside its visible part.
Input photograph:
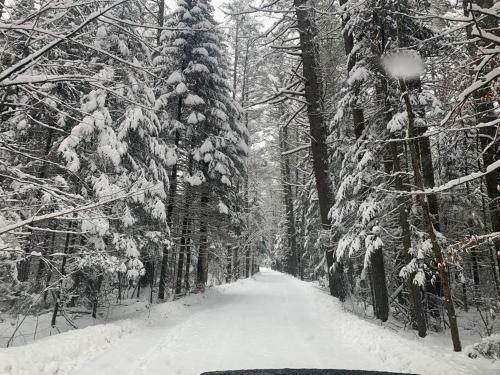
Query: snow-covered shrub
(488, 347)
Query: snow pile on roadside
(401, 351)
(24, 330)
(64, 352)
(60, 353)
(489, 347)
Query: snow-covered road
(269, 321)
(273, 321)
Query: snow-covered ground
(269, 321)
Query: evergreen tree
(207, 118)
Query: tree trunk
(170, 209)
(202, 265)
(95, 300)
(229, 265)
(236, 55)
(436, 248)
(427, 167)
(48, 271)
(377, 265)
(381, 300)
(311, 69)
(161, 19)
(291, 266)
(358, 117)
(62, 272)
(424, 153)
(188, 258)
(417, 313)
(416, 308)
(236, 266)
(475, 274)
(182, 248)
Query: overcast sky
(219, 16)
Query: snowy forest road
(271, 321)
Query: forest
(156, 149)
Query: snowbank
(402, 350)
(489, 347)
(61, 353)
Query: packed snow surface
(269, 321)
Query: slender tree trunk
(184, 232)
(170, 209)
(236, 55)
(188, 258)
(95, 300)
(475, 274)
(48, 273)
(202, 265)
(229, 265)
(358, 117)
(377, 265)
(427, 167)
(161, 19)
(416, 307)
(247, 263)
(417, 313)
(182, 248)
(173, 175)
(303, 225)
(236, 266)
(291, 260)
(436, 248)
(37, 269)
(57, 294)
(424, 152)
(244, 102)
(120, 277)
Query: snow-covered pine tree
(107, 149)
(365, 188)
(206, 117)
(43, 81)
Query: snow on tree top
(193, 100)
(198, 68)
(397, 122)
(192, 118)
(175, 77)
(200, 51)
(195, 180)
(181, 88)
(223, 208)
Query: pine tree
(206, 113)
